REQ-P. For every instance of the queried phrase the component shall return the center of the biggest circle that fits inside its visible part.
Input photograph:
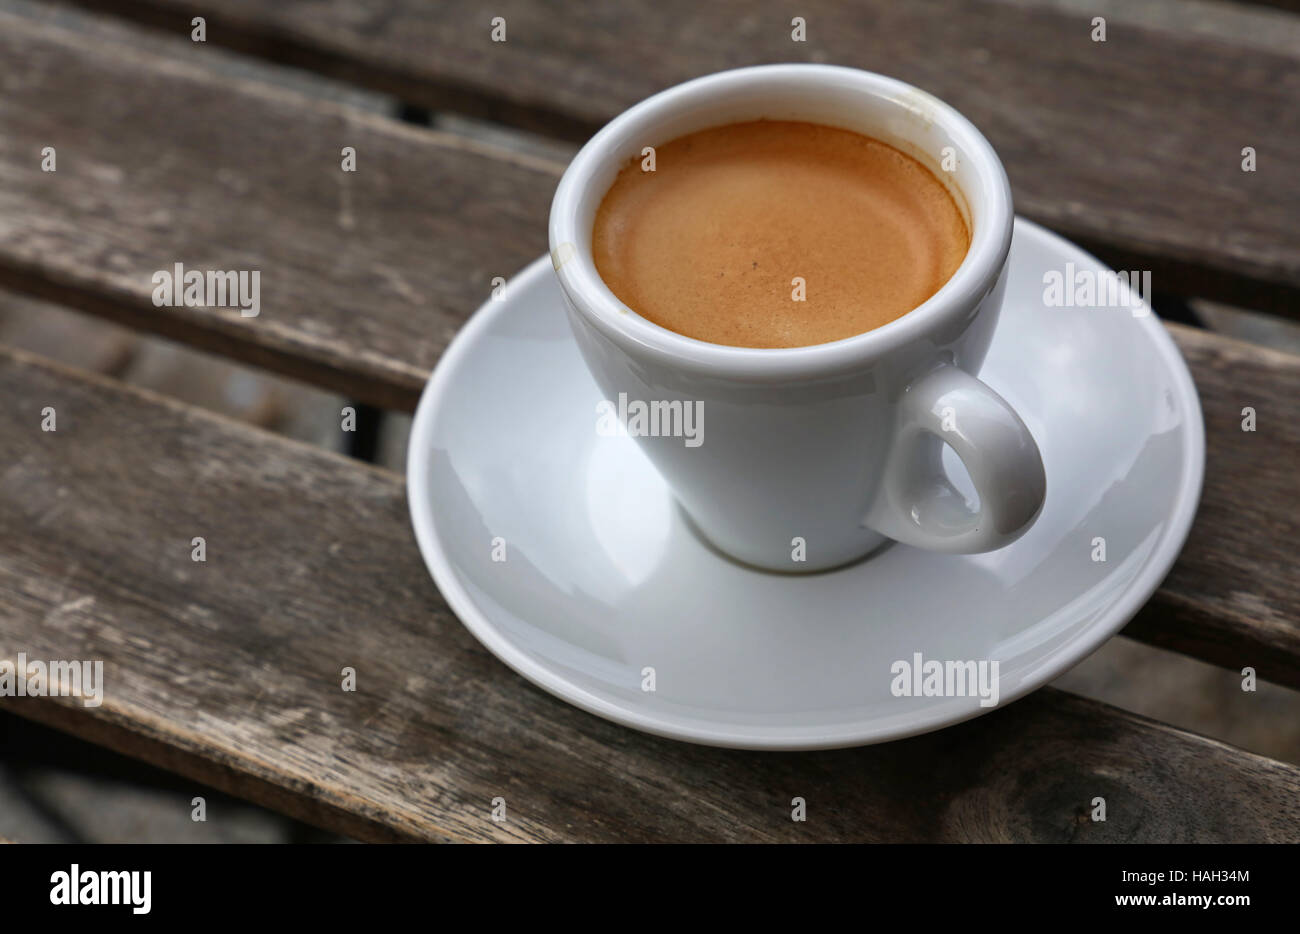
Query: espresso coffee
(777, 234)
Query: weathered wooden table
(227, 671)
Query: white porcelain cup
(814, 456)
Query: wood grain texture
(1233, 598)
(365, 276)
(229, 671)
(1131, 146)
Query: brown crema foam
(710, 243)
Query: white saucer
(603, 578)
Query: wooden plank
(1233, 598)
(1131, 146)
(366, 306)
(229, 670)
(364, 275)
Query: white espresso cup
(811, 457)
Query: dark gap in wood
(27, 745)
(1187, 279)
(413, 113)
(363, 443)
(1175, 308)
(295, 803)
(25, 786)
(15, 745)
(1290, 6)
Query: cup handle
(918, 505)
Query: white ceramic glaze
(603, 578)
(812, 456)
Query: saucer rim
(844, 734)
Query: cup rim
(595, 301)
